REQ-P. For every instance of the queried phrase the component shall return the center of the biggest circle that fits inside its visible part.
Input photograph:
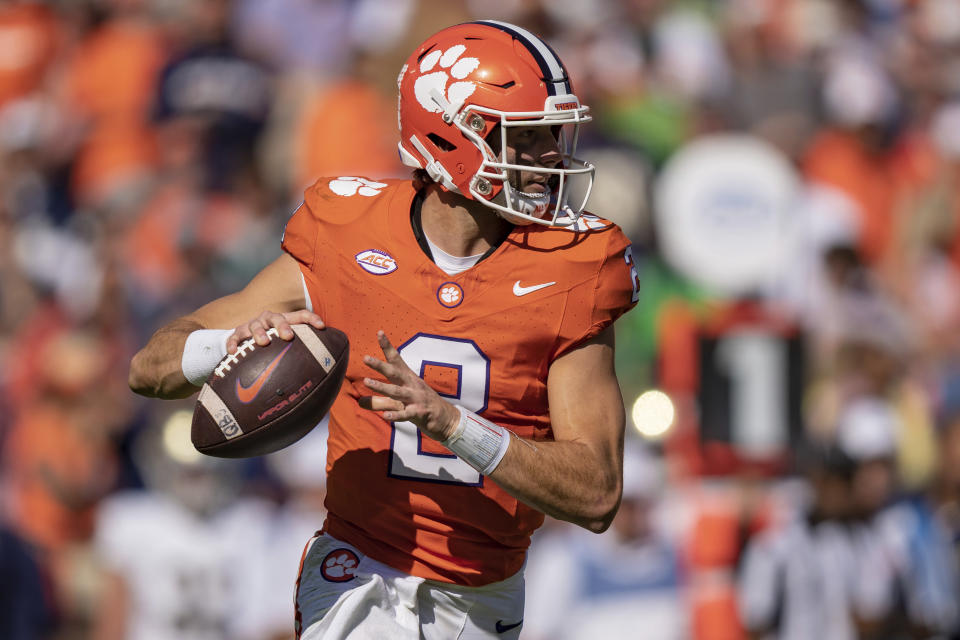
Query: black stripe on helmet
(555, 86)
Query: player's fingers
(240, 334)
(280, 322)
(380, 403)
(389, 371)
(387, 389)
(304, 317)
(408, 412)
(391, 354)
(258, 330)
(259, 327)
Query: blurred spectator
(208, 211)
(863, 345)
(862, 151)
(225, 95)
(347, 128)
(947, 488)
(29, 37)
(809, 578)
(58, 454)
(926, 583)
(305, 35)
(185, 558)
(629, 579)
(59, 461)
(109, 89)
(771, 92)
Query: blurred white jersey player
(187, 558)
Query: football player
(479, 300)
(180, 558)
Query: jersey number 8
(408, 458)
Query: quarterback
(479, 300)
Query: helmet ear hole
(493, 139)
(442, 143)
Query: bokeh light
(653, 414)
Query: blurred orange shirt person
(111, 80)
(348, 128)
(57, 458)
(875, 179)
(29, 36)
(113, 72)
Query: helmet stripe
(550, 65)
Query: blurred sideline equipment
(724, 213)
(264, 398)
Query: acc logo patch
(339, 565)
(450, 294)
(377, 262)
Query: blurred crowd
(151, 151)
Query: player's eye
(526, 133)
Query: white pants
(342, 594)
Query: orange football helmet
(464, 82)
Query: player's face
(535, 147)
(532, 147)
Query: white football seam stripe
(315, 346)
(217, 410)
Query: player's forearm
(155, 370)
(566, 480)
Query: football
(263, 398)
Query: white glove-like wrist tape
(478, 442)
(202, 352)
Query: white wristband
(202, 352)
(479, 442)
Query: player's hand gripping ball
(264, 398)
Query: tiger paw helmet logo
(339, 565)
(352, 185)
(452, 65)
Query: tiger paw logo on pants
(451, 65)
(339, 565)
(352, 185)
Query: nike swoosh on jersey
(522, 291)
(503, 628)
(246, 394)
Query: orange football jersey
(483, 338)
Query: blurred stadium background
(789, 171)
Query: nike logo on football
(246, 394)
(503, 628)
(522, 291)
